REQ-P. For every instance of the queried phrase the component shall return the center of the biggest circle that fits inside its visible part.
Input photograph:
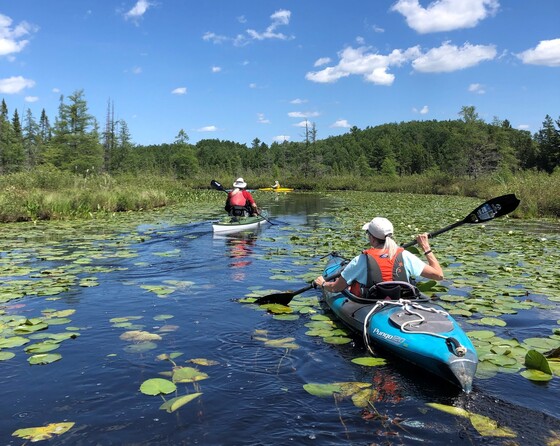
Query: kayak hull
(237, 224)
(278, 189)
(412, 330)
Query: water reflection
(239, 247)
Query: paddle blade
(217, 185)
(277, 298)
(494, 208)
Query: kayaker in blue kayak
(384, 261)
(240, 202)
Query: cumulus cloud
(281, 138)
(303, 114)
(423, 111)
(15, 84)
(303, 124)
(445, 15)
(523, 127)
(373, 67)
(12, 39)
(216, 69)
(278, 18)
(448, 58)
(214, 38)
(547, 53)
(477, 88)
(322, 61)
(138, 10)
(31, 99)
(180, 90)
(208, 128)
(261, 119)
(341, 123)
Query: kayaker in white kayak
(240, 202)
(384, 261)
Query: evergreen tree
(31, 140)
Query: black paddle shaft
(494, 208)
(284, 298)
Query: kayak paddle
(494, 208)
(218, 186)
(284, 298)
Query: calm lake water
(254, 393)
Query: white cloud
(303, 124)
(322, 61)
(180, 90)
(423, 111)
(523, 127)
(298, 101)
(448, 58)
(138, 10)
(208, 128)
(477, 88)
(279, 18)
(547, 53)
(341, 123)
(378, 29)
(56, 90)
(253, 85)
(359, 61)
(11, 38)
(216, 69)
(31, 99)
(303, 114)
(281, 138)
(261, 119)
(15, 84)
(445, 15)
(214, 38)
(137, 70)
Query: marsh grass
(47, 193)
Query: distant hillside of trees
(466, 147)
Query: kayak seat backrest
(393, 290)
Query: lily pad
(369, 361)
(43, 433)
(175, 403)
(157, 386)
(44, 358)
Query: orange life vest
(380, 268)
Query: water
(254, 394)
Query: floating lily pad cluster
(40, 343)
(178, 375)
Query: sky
(238, 70)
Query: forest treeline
(467, 148)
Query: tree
(75, 143)
(548, 138)
(31, 140)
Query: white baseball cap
(379, 227)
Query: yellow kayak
(276, 189)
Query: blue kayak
(409, 327)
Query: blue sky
(238, 69)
